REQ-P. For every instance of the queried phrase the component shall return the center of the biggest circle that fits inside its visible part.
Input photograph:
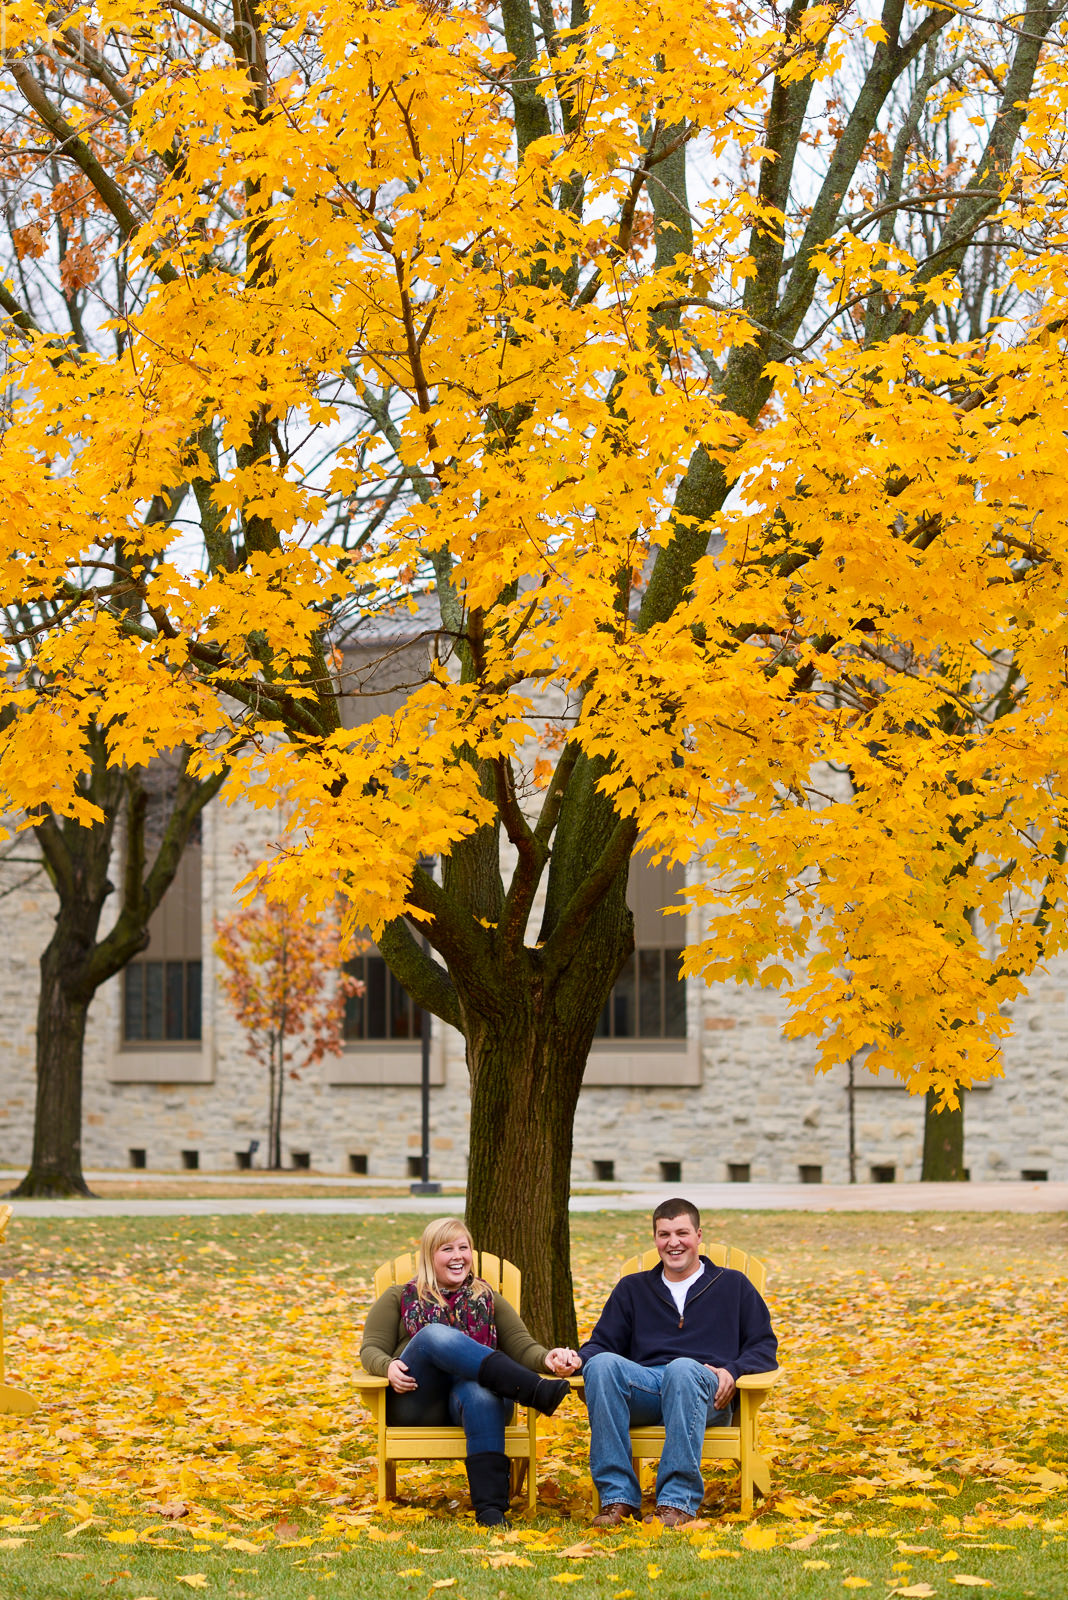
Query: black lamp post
(424, 1185)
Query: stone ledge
(652, 1063)
(165, 1064)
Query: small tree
(284, 980)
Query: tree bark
(526, 1071)
(62, 1008)
(943, 1142)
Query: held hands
(400, 1379)
(563, 1362)
(725, 1391)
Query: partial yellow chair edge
(444, 1443)
(12, 1401)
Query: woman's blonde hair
(441, 1231)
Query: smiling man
(668, 1348)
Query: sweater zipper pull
(680, 1322)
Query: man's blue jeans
(620, 1395)
(445, 1364)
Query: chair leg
(391, 1480)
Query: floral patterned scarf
(465, 1308)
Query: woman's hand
(400, 1379)
(563, 1362)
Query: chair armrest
(366, 1381)
(760, 1380)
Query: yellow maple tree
(633, 339)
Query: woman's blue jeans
(445, 1363)
(621, 1395)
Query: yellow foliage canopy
(722, 479)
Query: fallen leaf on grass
(856, 1583)
(171, 1509)
(755, 1538)
(805, 1543)
(966, 1581)
(11, 1544)
(122, 1536)
(289, 1530)
(566, 1577)
(378, 1535)
(710, 1555)
(410, 1572)
(508, 1558)
(579, 1552)
(244, 1544)
(815, 1566)
(444, 1583)
(915, 1591)
(195, 1580)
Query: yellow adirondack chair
(11, 1400)
(446, 1443)
(736, 1442)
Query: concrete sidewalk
(709, 1197)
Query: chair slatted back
(503, 1277)
(720, 1255)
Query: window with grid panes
(161, 1002)
(385, 1009)
(649, 997)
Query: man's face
(678, 1244)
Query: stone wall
(758, 1104)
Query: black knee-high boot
(503, 1376)
(489, 1477)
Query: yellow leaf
(966, 1581)
(915, 1591)
(759, 1538)
(566, 1577)
(195, 1580)
(654, 1571)
(244, 1544)
(815, 1566)
(11, 1544)
(444, 1583)
(856, 1583)
(124, 1536)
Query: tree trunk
(943, 1142)
(526, 1073)
(56, 1164)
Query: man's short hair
(667, 1209)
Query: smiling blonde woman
(467, 1357)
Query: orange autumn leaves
(211, 1393)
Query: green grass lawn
(201, 1366)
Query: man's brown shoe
(615, 1515)
(670, 1516)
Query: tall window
(385, 1010)
(649, 997)
(162, 988)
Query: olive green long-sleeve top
(384, 1338)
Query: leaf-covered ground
(198, 1429)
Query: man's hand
(725, 1389)
(400, 1379)
(563, 1362)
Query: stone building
(686, 1083)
